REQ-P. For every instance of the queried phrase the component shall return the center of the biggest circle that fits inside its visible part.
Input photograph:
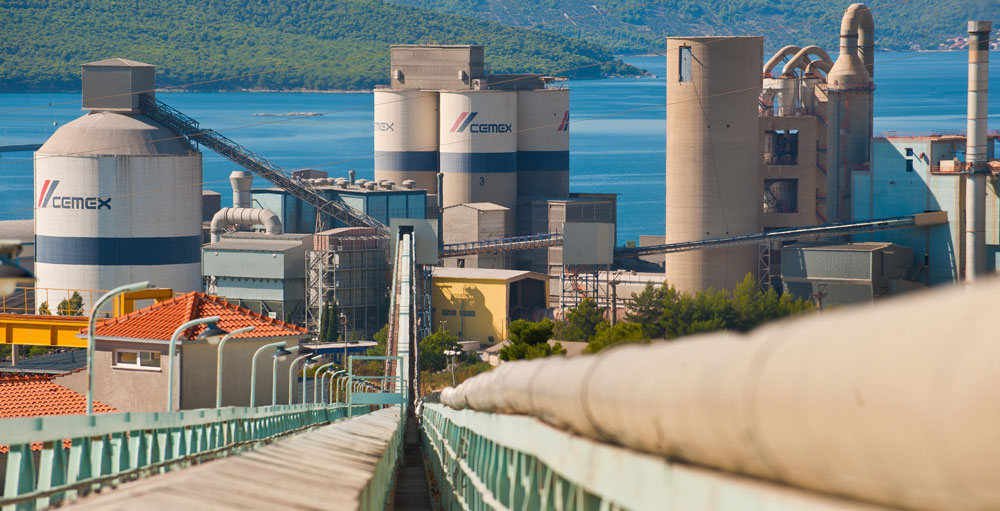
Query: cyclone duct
(245, 217)
(850, 88)
(975, 151)
(713, 136)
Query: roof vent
(409, 184)
(388, 185)
(370, 186)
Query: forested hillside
(331, 44)
(636, 26)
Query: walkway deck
(335, 467)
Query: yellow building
(477, 304)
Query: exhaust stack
(975, 151)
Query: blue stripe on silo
(478, 162)
(406, 161)
(118, 251)
(528, 161)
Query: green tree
(43, 309)
(381, 342)
(432, 348)
(329, 323)
(71, 307)
(581, 322)
(621, 333)
(530, 340)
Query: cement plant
(131, 276)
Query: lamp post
(315, 376)
(212, 334)
(291, 374)
(332, 376)
(279, 354)
(253, 369)
(341, 381)
(452, 354)
(322, 382)
(218, 363)
(90, 334)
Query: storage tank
(406, 137)
(478, 134)
(117, 195)
(543, 143)
(713, 185)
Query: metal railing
(335, 208)
(81, 453)
(26, 300)
(552, 239)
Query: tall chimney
(975, 151)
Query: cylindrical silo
(713, 186)
(406, 137)
(478, 134)
(543, 143)
(117, 200)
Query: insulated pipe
(244, 216)
(857, 35)
(975, 150)
(778, 57)
(894, 405)
(241, 182)
(801, 59)
(813, 65)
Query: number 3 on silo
(482, 181)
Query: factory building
(713, 146)
(117, 195)
(477, 304)
(831, 274)
(494, 139)
(476, 221)
(261, 272)
(381, 201)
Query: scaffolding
(348, 268)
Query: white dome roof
(112, 133)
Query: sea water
(617, 132)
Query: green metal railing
(107, 449)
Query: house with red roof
(131, 354)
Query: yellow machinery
(45, 330)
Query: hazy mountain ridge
(331, 44)
(639, 26)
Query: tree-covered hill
(636, 26)
(331, 44)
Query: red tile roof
(159, 321)
(32, 396)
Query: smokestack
(241, 181)
(975, 150)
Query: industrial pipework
(975, 150)
(244, 216)
(801, 59)
(894, 405)
(241, 181)
(778, 57)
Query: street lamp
(340, 383)
(291, 375)
(212, 334)
(218, 364)
(90, 333)
(322, 389)
(332, 375)
(253, 368)
(452, 354)
(315, 376)
(279, 354)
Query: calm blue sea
(611, 151)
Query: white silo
(117, 195)
(406, 137)
(543, 143)
(478, 136)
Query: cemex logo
(564, 125)
(47, 198)
(384, 126)
(465, 121)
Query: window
(469, 314)
(781, 147)
(135, 359)
(684, 64)
(449, 312)
(909, 165)
(781, 195)
(909, 151)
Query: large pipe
(975, 150)
(241, 182)
(778, 57)
(858, 28)
(244, 216)
(801, 59)
(812, 66)
(894, 405)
